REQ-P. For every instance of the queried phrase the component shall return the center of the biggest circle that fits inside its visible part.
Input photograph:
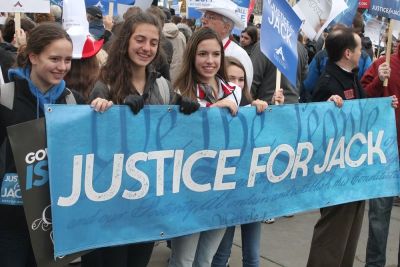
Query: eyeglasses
(211, 16)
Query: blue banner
(385, 8)
(347, 16)
(279, 30)
(116, 178)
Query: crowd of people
(153, 57)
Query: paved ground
(287, 241)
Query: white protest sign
(374, 29)
(25, 6)
(317, 14)
(396, 29)
(1, 77)
(143, 4)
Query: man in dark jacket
(336, 233)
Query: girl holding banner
(251, 232)
(203, 79)
(38, 80)
(128, 77)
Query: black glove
(135, 102)
(186, 105)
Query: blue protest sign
(279, 30)
(385, 8)
(116, 178)
(104, 4)
(347, 16)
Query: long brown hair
(231, 61)
(188, 76)
(83, 75)
(117, 72)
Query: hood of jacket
(170, 30)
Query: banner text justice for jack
(116, 178)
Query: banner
(385, 8)
(119, 178)
(317, 15)
(25, 6)
(120, 6)
(279, 31)
(28, 142)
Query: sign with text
(385, 8)
(28, 143)
(317, 15)
(25, 6)
(364, 4)
(118, 178)
(279, 31)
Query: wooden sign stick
(389, 48)
(17, 21)
(111, 8)
(278, 84)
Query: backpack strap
(7, 95)
(69, 98)
(163, 88)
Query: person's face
(208, 59)
(52, 64)
(215, 22)
(235, 75)
(356, 53)
(245, 39)
(143, 44)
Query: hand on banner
(395, 101)
(260, 105)
(108, 23)
(135, 102)
(384, 71)
(19, 38)
(226, 103)
(337, 99)
(101, 104)
(278, 97)
(186, 105)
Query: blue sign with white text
(118, 178)
(385, 8)
(279, 31)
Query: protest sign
(28, 142)
(364, 4)
(346, 17)
(24, 6)
(396, 29)
(317, 15)
(374, 29)
(279, 30)
(385, 8)
(1, 77)
(122, 6)
(119, 178)
(389, 9)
